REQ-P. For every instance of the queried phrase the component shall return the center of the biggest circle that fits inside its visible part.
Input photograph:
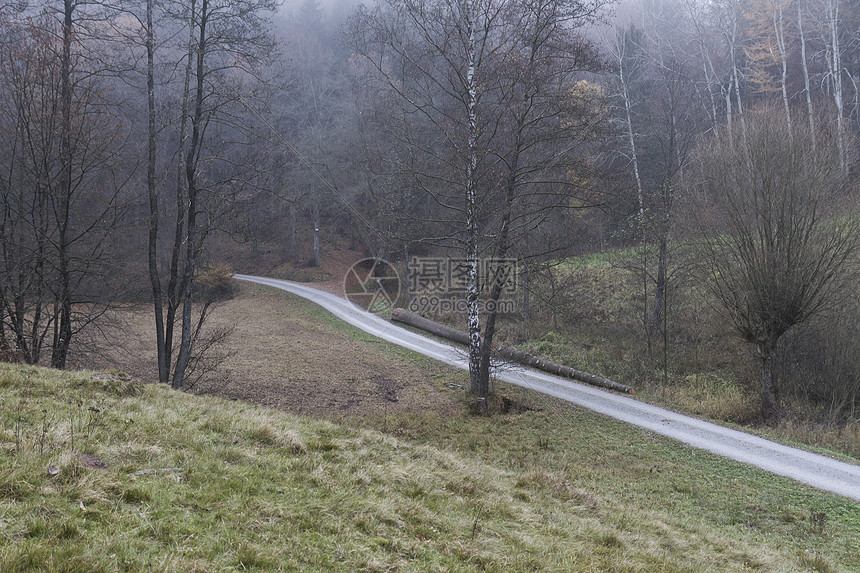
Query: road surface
(816, 470)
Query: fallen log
(508, 353)
(418, 321)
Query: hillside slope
(104, 474)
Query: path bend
(816, 470)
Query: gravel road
(819, 471)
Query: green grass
(714, 512)
(193, 483)
(590, 317)
(102, 474)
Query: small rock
(92, 461)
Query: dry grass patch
(289, 354)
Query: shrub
(214, 283)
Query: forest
(695, 158)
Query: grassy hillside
(589, 312)
(99, 473)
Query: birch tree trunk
(479, 388)
(804, 64)
(779, 31)
(835, 71)
(620, 55)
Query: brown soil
(328, 276)
(336, 265)
(286, 355)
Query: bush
(824, 360)
(214, 283)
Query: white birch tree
(482, 96)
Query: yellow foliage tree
(767, 49)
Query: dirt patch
(287, 355)
(91, 461)
(328, 276)
(337, 264)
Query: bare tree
(777, 237)
(63, 182)
(216, 46)
(484, 100)
(662, 116)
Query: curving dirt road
(819, 471)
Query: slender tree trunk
(770, 410)
(526, 289)
(472, 287)
(621, 46)
(727, 93)
(805, 67)
(660, 286)
(836, 74)
(631, 140)
(737, 85)
(730, 34)
(492, 315)
(294, 244)
(316, 216)
(176, 283)
(36, 339)
(496, 288)
(155, 281)
(63, 318)
(191, 215)
(779, 30)
(713, 109)
(708, 73)
(665, 332)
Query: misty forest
(430, 285)
(676, 180)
